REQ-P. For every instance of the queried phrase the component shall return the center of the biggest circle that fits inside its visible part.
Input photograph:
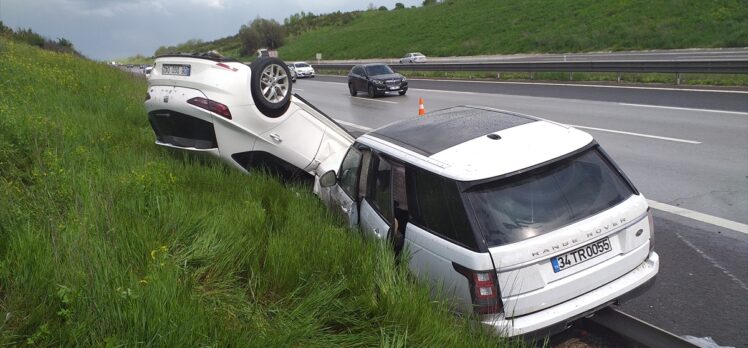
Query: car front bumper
(558, 317)
(391, 88)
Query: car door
(345, 194)
(376, 214)
(361, 84)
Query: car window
(380, 192)
(358, 70)
(548, 198)
(348, 174)
(302, 65)
(372, 70)
(418, 54)
(434, 203)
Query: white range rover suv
(525, 222)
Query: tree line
(29, 37)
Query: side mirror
(328, 179)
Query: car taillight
(484, 289)
(651, 229)
(211, 105)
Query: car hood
(386, 76)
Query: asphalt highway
(685, 150)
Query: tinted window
(434, 203)
(302, 65)
(349, 172)
(381, 188)
(546, 199)
(378, 70)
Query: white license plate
(394, 87)
(581, 254)
(175, 69)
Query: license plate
(581, 254)
(175, 69)
(394, 87)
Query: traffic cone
(421, 110)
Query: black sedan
(376, 80)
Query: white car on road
(415, 57)
(303, 69)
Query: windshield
(373, 70)
(543, 200)
(302, 65)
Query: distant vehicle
(303, 69)
(129, 66)
(147, 71)
(376, 80)
(415, 57)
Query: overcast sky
(110, 29)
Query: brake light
(484, 289)
(211, 105)
(651, 229)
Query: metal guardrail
(689, 66)
(637, 330)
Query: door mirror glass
(328, 179)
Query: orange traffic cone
(421, 110)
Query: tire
(352, 90)
(402, 92)
(371, 91)
(270, 86)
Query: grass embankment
(475, 27)
(106, 240)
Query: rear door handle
(276, 138)
(345, 209)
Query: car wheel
(372, 94)
(270, 86)
(402, 92)
(352, 90)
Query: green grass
(474, 27)
(106, 240)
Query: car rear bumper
(558, 317)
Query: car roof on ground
(454, 142)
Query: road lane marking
(695, 215)
(686, 109)
(714, 262)
(639, 134)
(349, 124)
(298, 89)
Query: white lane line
(695, 215)
(686, 109)
(349, 124)
(639, 134)
(714, 262)
(298, 89)
(376, 100)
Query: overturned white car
(243, 114)
(527, 223)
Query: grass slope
(106, 240)
(474, 27)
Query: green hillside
(107, 240)
(475, 27)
